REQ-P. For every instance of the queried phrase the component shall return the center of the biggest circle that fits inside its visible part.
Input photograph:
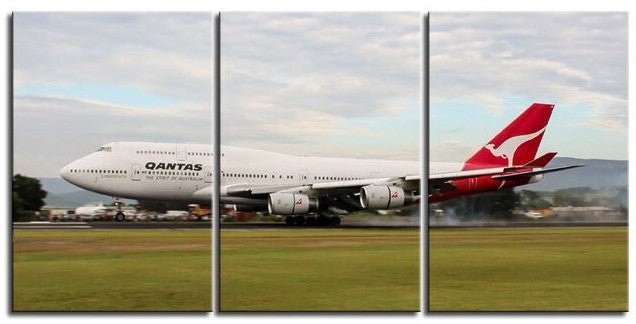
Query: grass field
(537, 269)
(320, 270)
(111, 270)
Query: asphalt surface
(112, 225)
(530, 224)
(188, 225)
(208, 225)
(285, 226)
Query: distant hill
(596, 174)
(57, 185)
(64, 194)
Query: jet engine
(383, 197)
(291, 204)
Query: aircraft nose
(65, 172)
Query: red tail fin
(517, 144)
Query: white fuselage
(444, 167)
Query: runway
(264, 226)
(192, 225)
(527, 224)
(112, 225)
(50, 225)
(342, 226)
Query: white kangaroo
(509, 147)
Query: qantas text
(173, 166)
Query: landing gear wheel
(322, 220)
(119, 216)
(300, 220)
(290, 220)
(334, 220)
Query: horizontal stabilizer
(541, 161)
(531, 173)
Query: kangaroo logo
(508, 148)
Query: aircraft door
(302, 176)
(182, 152)
(135, 173)
(207, 174)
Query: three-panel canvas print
(319, 162)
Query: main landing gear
(119, 216)
(321, 220)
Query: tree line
(27, 197)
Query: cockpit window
(104, 148)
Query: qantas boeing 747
(310, 190)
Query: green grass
(538, 269)
(111, 270)
(320, 270)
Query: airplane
(534, 215)
(91, 212)
(308, 190)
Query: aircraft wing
(341, 194)
(442, 182)
(363, 182)
(443, 177)
(252, 190)
(534, 172)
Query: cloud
(85, 79)
(576, 60)
(52, 131)
(297, 78)
(452, 150)
(164, 53)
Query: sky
(81, 80)
(486, 68)
(329, 84)
(323, 84)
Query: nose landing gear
(119, 216)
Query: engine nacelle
(291, 204)
(383, 197)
